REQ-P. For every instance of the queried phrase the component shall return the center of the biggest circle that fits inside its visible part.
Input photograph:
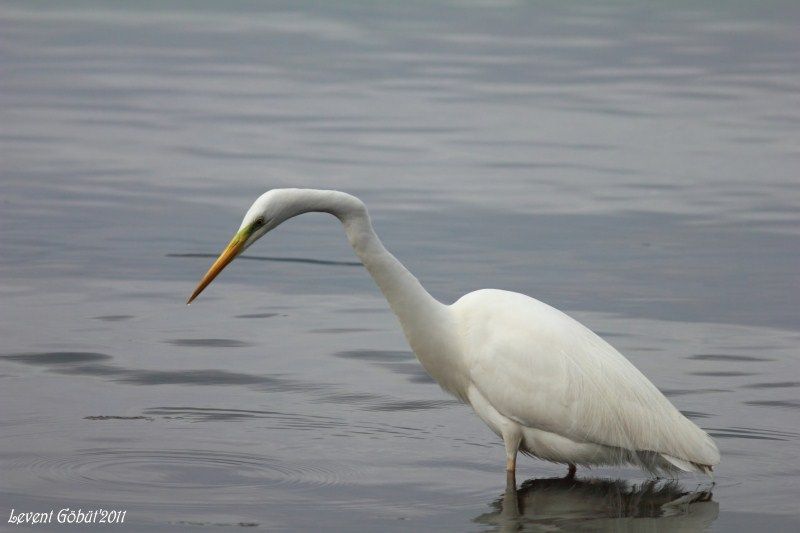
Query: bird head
(264, 215)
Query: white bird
(543, 382)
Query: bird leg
(511, 478)
(510, 503)
(511, 470)
(571, 472)
(511, 463)
(511, 440)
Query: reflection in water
(564, 504)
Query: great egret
(543, 382)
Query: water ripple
(304, 260)
(723, 373)
(376, 355)
(751, 433)
(682, 392)
(83, 364)
(56, 358)
(792, 404)
(727, 357)
(396, 361)
(258, 315)
(116, 417)
(288, 421)
(185, 469)
(279, 419)
(411, 405)
(774, 385)
(113, 318)
(695, 414)
(208, 343)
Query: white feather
(542, 369)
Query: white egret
(543, 382)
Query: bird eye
(258, 223)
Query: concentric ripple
(147, 471)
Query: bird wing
(545, 370)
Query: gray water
(634, 165)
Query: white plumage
(574, 398)
(543, 382)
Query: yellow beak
(228, 255)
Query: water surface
(631, 164)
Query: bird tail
(688, 466)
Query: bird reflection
(568, 504)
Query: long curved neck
(420, 314)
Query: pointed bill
(229, 254)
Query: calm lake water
(634, 165)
